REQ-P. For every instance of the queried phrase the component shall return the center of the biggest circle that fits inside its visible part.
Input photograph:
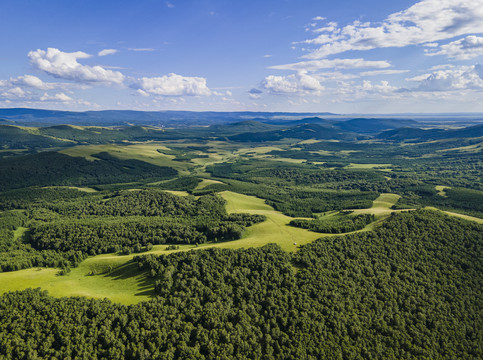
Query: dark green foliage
(130, 219)
(28, 197)
(298, 191)
(368, 126)
(51, 168)
(13, 137)
(17, 254)
(335, 224)
(430, 134)
(185, 183)
(463, 200)
(303, 131)
(410, 289)
(64, 231)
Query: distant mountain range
(38, 117)
(416, 134)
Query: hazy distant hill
(373, 126)
(431, 134)
(38, 117)
(309, 120)
(17, 138)
(303, 132)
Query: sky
(344, 56)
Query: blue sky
(346, 56)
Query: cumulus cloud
(65, 66)
(107, 52)
(457, 78)
(299, 83)
(172, 85)
(315, 65)
(28, 81)
(462, 49)
(425, 22)
(13, 93)
(57, 97)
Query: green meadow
(116, 277)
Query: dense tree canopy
(409, 289)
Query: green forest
(405, 290)
(250, 239)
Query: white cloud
(382, 87)
(107, 52)
(172, 85)
(65, 66)
(457, 78)
(425, 22)
(29, 81)
(315, 65)
(13, 93)
(57, 97)
(334, 76)
(318, 18)
(462, 49)
(299, 83)
(169, 5)
(141, 49)
(383, 72)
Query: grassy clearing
(177, 192)
(123, 284)
(144, 152)
(19, 232)
(258, 150)
(381, 206)
(461, 216)
(369, 166)
(441, 190)
(84, 189)
(116, 277)
(206, 182)
(274, 230)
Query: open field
(206, 182)
(124, 284)
(84, 189)
(144, 152)
(441, 190)
(462, 216)
(369, 166)
(274, 230)
(116, 277)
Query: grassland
(441, 190)
(461, 216)
(144, 152)
(116, 277)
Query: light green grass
(462, 216)
(441, 190)
(19, 233)
(117, 278)
(368, 166)
(84, 189)
(206, 182)
(124, 284)
(144, 152)
(274, 230)
(177, 192)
